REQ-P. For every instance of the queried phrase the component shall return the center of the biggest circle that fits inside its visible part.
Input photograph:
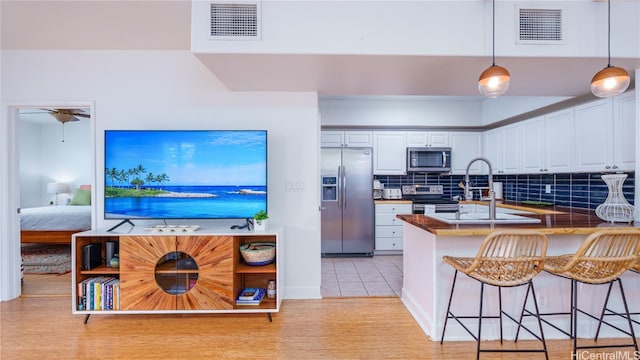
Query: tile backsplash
(578, 190)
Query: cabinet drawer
(393, 208)
(388, 243)
(387, 219)
(389, 231)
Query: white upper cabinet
(389, 153)
(533, 145)
(624, 131)
(594, 134)
(502, 148)
(491, 144)
(427, 138)
(560, 141)
(548, 143)
(346, 138)
(465, 146)
(511, 149)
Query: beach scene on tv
(185, 174)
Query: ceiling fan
(64, 115)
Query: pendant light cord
(493, 61)
(609, 33)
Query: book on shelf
(249, 294)
(246, 299)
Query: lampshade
(610, 81)
(494, 81)
(57, 188)
(64, 117)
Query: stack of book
(251, 296)
(99, 293)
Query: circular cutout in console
(176, 273)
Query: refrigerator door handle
(339, 187)
(344, 187)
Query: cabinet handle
(607, 167)
(615, 166)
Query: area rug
(46, 258)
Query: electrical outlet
(547, 189)
(542, 301)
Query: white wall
(170, 90)
(31, 191)
(45, 158)
(425, 111)
(330, 27)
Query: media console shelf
(198, 272)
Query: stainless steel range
(422, 195)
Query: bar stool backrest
(509, 258)
(604, 256)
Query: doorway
(55, 160)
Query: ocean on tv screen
(190, 202)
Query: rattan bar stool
(606, 311)
(505, 259)
(601, 259)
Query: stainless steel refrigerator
(347, 209)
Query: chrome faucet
(468, 189)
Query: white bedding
(71, 217)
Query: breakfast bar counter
(427, 279)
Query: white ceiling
(135, 25)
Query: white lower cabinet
(388, 226)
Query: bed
(56, 224)
(53, 224)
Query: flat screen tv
(193, 174)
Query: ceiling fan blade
(82, 115)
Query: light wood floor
(39, 327)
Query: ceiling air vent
(238, 20)
(540, 26)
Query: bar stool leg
(574, 317)
(500, 306)
(524, 309)
(604, 310)
(626, 309)
(535, 304)
(480, 321)
(446, 318)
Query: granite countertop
(553, 220)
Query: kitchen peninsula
(427, 279)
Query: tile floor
(366, 276)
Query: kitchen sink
(482, 218)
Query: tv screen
(194, 174)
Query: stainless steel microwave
(428, 159)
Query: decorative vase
(115, 261)
(260, 225)
(615, 208)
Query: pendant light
(494, 81)
(611, 80)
